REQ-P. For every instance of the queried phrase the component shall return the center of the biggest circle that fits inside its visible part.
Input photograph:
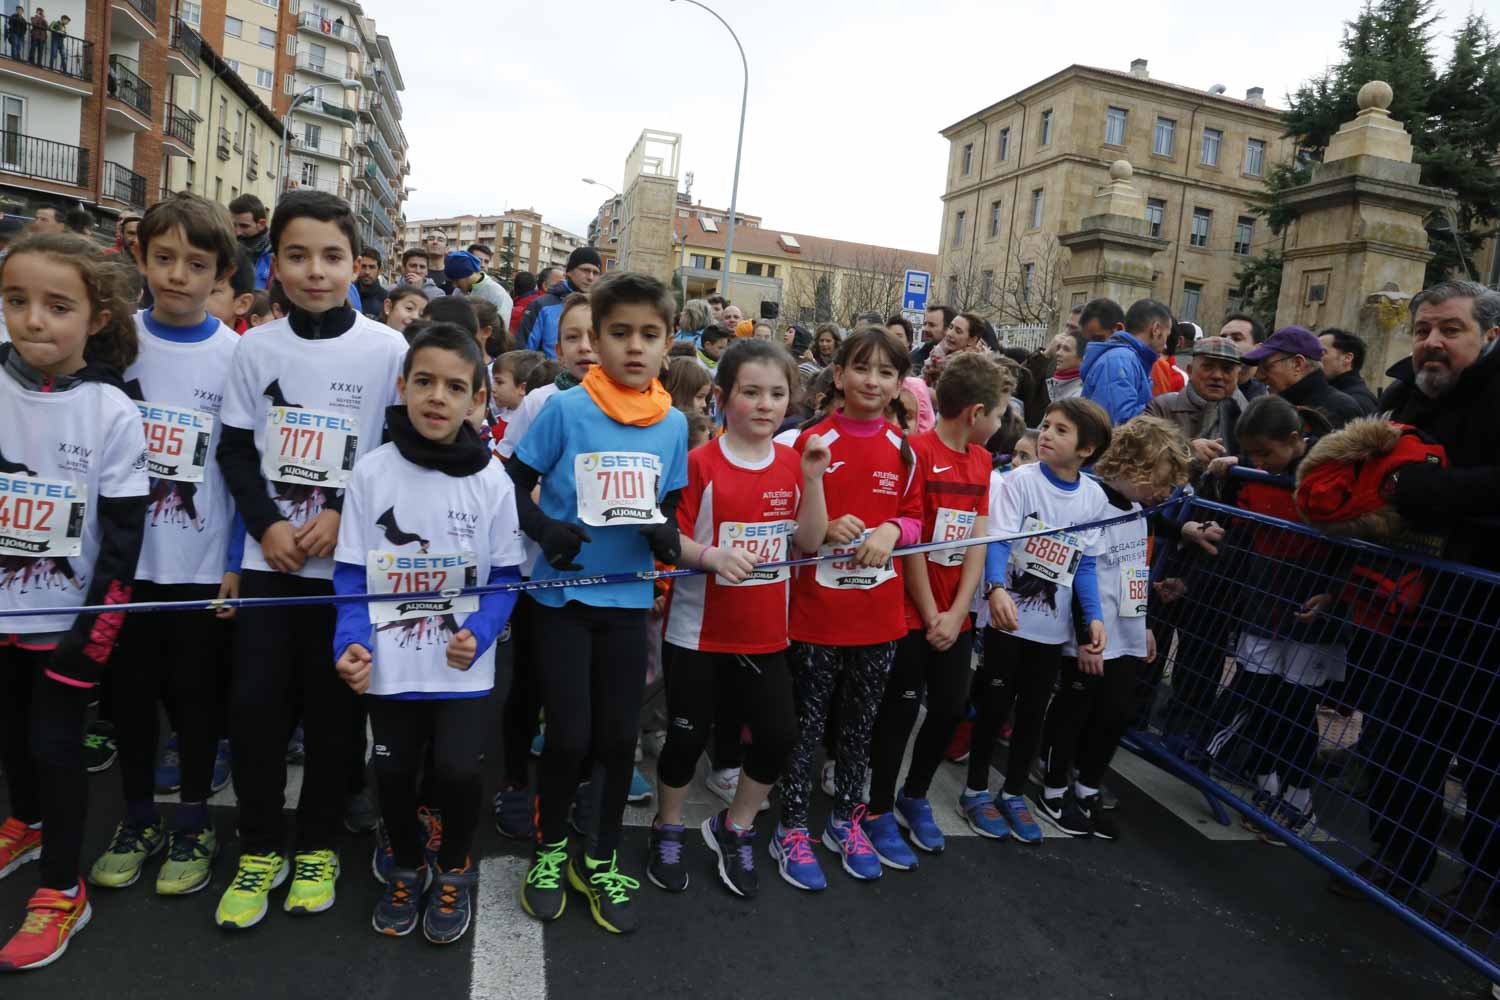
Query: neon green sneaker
(314, 873)
(121, 863)
(189, 864)
(608, 891)
(543, 895)
(245, 902)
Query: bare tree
(1026, 291)
(825, 285)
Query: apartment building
(1025, 170)
(519, 234)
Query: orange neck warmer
(624, 405)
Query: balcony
(380, 185)
(388, 89)
(185, 51)
(336, 29)
(43, 159)
(332, 185)
(180, 133)
(344, 116)
(123, 185)
(223, 144)
(379, 151)
(382, 115)
(129, 107)
(64, 55)
(134, 19)
(332, 148)
(322, 66)
(383, 224)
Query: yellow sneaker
(245, 902)
(313, 877)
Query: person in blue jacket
(539, 323)
(1117, 372)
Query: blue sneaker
(640, 788)
(383, 860)
(983, 818)
(848, 840)
(792, 851)
(538, 741)
(513, 817)
(915, 816)
(223, 769)
(169, 770)
(890, 847)
(1022, 825)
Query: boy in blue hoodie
(1117, 372)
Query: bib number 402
(25, 514)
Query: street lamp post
(286, 137)
(734, 192)
(590, 180)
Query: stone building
(531, 243)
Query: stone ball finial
(1121, 170)
(1375, 94)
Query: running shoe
(296, 748)
(52, 919)
(168, 773)
(245, 902)
(723, 783)
(1072, 816)
(915, 816)
(1298, 822)
(19, 844)
(543, 895)
(1108, 800)
(538, 742)
(223, 769)
(513, 813)
(847, 839)
(581, 816)
(431, 821)
(383, 858)
(450, 904)
(399, 908)
(736, 854)
(99, 750)
(958, 746)
(314, 874)
(1051, 805)
(978, 810)
(121, 863)
(890, 847)
(640, 788)
(1263, 802)
(664, 865)
(607, 890)
(792, 851)
(1104, 825)
(1023, 825)
(361, 814)
(829, 767)
(189, 864)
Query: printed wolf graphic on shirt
(298, 502)
(29, 573)
(417, 633)
(172, 502)
(1031, 593)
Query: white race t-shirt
(315, 406)
(520, 421)
(1124, 586)
(59, 453)
(415, 529)
(182, 395)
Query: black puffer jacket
(1352, 385)
(1314, 391)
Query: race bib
(391, 573)
(765, 541)
(1053, 558)
(844, 573)
(308, 447)
(617, 487)
(41, 518)
(177, 440)
(1135, 589)
(951, 526)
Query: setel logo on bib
(764, 541)
(617, 487)
(41, 518)
(308, 447)
(393, 573)
(1053, 558)
(177, 441)
(951, 526)
(1135, 590)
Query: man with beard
(250, 225)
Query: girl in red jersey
(847, 612)
(747, 501)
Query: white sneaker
(723, 783)
(828, 767)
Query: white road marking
(509, 957)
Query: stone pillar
(1110, 253)
(1385, 327)
(1359, 233)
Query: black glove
(560, 543)
(666, 543)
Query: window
(699, 261)
(233, 64)
(268, 38)
(1202, 220)
(953, 290)
(1047, 127)
(218, 189)
(1037, 197)
(754, 268)
(264, 78)
(1212, 139)
(1192, 298)
(1004, 153)
(317, 55)
(986, 285)
(312, 134)
(1255, 157)
(968, 158)
(286, 83)
(994, 219)
(309, 175)
(1164, 137)
(958, 229)
(233, 27)
(13, 118)
(770, 270)
(715, 263)
(1234, 301)
(1028, 271)
(1114, 126)
(1156, 214)
(190, 12)
(1244, 232)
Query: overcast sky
(508, 105)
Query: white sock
(971, 792)
(1053, 793)
(71, 893)
(34, 826)
(1083, 791)
(1269, 783)
(1298, 798)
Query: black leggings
(697, 684)
(180, 657)
(1277, 720)
(946, 676)
(41, 743)
(1087, 719)
(522, 700)
(445, 736)
(591, 693)
(1016, 674)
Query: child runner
(234, 293)
(428, 666)
(611, 456)
(747, 501)
(1147, 459)
(508, 377)
(73, 502)
(1032, 584)
(846, 613)
(711, 344)
(187, 247)
(952, 479)
(259, 312)
(403, 304)
(306, 397)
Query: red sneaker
(958, 747)
(52, 919)
(19, 844)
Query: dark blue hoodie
(1117, 375)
